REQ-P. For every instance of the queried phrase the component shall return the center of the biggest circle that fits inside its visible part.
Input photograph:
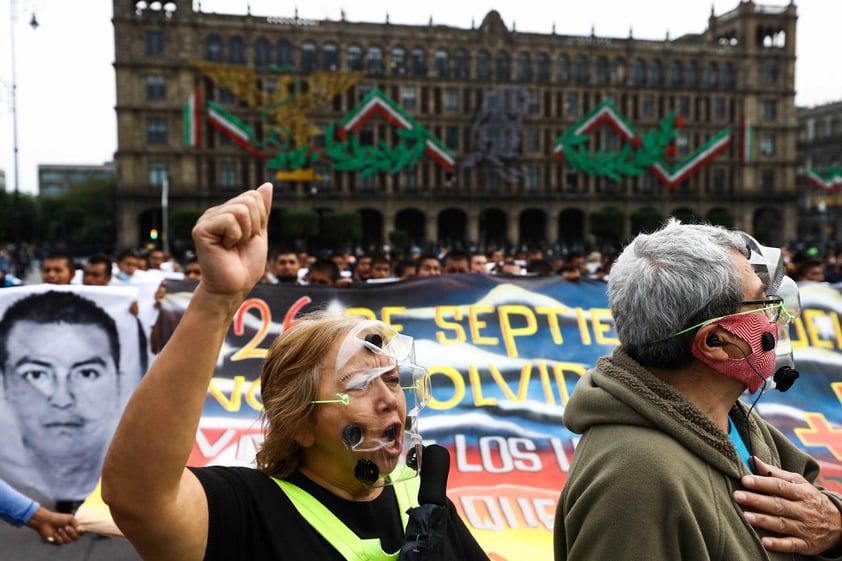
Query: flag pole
(165, 196)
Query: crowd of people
(345, 268)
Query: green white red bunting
(653, 150)
(378, 103)
(829, 179)
(233, 128)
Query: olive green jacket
(652, 477)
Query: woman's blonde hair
(289, 382)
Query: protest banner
(504, 355)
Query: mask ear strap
(342, 398)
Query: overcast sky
(65, 74)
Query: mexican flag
(746, 141)
(232, 127)
(192, 119)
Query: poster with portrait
(70, 357)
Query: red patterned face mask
(754, 368)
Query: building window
(648, 109)
(691, 79)
(769, 73)
(156, 130)
(531, 178)
(442, 64)
(656, 75)
(409, 179)
(398, 61)
(213, 49)
(374, 61)
(451, 137)
(718, 181)
(682, 145)
(502, 67)
(638, 72)
(610, 140)
(365, 183)
(236, 51)
(542, 68)
(580, 70)
(408, 97)
(354, 57)
(533, 104)
(601, 70)
(451, 99)
(154, 43)
(321, 179)
(532, 140)
(224, 95)
(460, 63)
(562, 69)
(284, 53)
(767, 144)
(836, 126)
(684, 106)
(156, 87)
(572, 107)
(729, 79)
(330, 57)
(366, 135)
(675, 76)
(647, 184)
(767, 181)
(719, 109)
(770, 110)
(483, 65)
(309, 57)
(158, 172)
(418, 61)
(363, 89)
(571, 182)
(711, 75)
(618, 71)
(228, 175)
(524, 68)
(262, 53)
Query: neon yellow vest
(345, 541)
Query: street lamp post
(16, 201)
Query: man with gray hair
(671, 464)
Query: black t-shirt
(250, 517)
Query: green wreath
(636, 155)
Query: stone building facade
(820, 174)
(481, 136)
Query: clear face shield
(380, 390)
(769, 265)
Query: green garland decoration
(368, 160)
(632, 160)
